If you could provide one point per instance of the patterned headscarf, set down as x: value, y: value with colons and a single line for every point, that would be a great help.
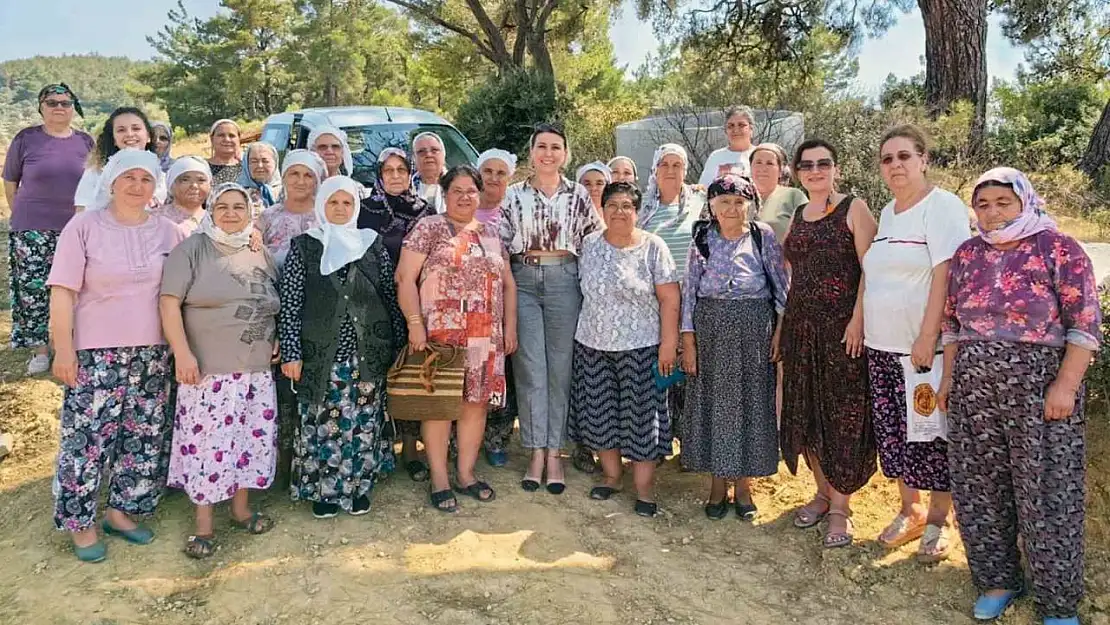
x: 59, y: 89
x: 1033, y: 218
x: 651, y: 195
x: 236, y: 241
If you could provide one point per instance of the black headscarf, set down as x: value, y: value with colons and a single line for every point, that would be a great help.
x: 393, y: 216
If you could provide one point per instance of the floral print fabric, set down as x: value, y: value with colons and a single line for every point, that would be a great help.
x: 1041, y: 292
x: 462, y: 300
x: 30, y: 254
x: 279, y: 227
x: 343, y: 447
x: 113, y: 422
x: 224, y: 436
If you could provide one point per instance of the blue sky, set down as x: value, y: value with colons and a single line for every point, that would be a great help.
x: 28, y: 28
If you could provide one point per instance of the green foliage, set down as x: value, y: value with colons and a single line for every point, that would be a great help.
x: 502, y: 112
x: 1098, y: 375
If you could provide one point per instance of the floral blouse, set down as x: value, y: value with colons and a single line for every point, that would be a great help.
x: 1042, y: 292
x: 279, y: 226
x: 172, y: 212
x: 734, y: 270
x: 534, y: 222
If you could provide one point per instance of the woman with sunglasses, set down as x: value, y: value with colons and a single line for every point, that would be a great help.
x: 163, y: 141
x: 825, y: 407
x: 906, y: 274
x: 41, y: 171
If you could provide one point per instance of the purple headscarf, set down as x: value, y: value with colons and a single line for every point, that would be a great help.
x: 1033, y: 218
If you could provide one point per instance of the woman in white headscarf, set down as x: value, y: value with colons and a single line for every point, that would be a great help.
x: 189, y: 182
x: 623, y: 170
x: 594, y: 176
x: 332, y: 146
x: 111, y: 357
x: 260, y: 175
x: 337, y: 291
x: 225, y: 163
x: 430, y: 155
x: 225, y: 419
x: 294, y: 213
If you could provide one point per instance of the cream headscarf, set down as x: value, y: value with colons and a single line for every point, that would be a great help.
x: 183, y: 165
x: 343, y: 243
x: 348, y: 159
x: 500, y: 155
x: 208, y: 226
x: 124, y: 161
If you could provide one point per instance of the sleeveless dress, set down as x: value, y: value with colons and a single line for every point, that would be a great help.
x: 825, y: 403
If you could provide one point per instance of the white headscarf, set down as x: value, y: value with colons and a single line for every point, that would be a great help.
x: 183, y: 165
x: 500, y: 155
x: 597, y: 166
x: 348, y: 159
x: 208, y: 226
x: 221, y: 122
x: 346, y: 243
x: 124, y: 161
x: 306, y: 158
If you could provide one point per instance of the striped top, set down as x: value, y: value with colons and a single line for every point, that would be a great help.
x: 665, y: 221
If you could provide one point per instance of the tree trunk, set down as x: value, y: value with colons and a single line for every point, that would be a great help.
x: 956, y: 60
x: 1097, y: 156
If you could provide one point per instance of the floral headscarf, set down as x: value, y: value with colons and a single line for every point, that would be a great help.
x: 236, y: 241
x: 1033, y: 218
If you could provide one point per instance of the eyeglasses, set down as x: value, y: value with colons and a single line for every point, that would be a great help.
x: 328, y: 146
x: 620, y: 208
x: 902, y: 157
x: 426, y: 151
x: 66, y: 104
x: 822, y: 164
x: 461, y: 193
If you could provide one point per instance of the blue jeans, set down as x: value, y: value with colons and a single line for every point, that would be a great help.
x: 548, y: 300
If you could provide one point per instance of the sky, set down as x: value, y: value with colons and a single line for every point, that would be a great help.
x: 80, y: 26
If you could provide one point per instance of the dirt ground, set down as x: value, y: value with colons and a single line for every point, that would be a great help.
x: 523, y: 559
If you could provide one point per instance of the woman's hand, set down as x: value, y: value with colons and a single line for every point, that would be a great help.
x: 776, y: 353
x: 689, y: 360
x: 923, y: 352
x: 292, y: 370
x: 943, y: 392
x: 668, y: 355
x: 853, y: 337
x: 188, y: 371
x: 418, y: 338
x: 510, y: 339
x: 256, y: 240
x: 65, y: 367
x: 1059, y: 402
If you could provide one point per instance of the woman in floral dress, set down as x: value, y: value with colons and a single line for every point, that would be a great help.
x: 456, y: 288
x: 340, y: 329
x: 218, y: 304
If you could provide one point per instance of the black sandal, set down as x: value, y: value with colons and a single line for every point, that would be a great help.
x: 717, y: 511
x: 475, y: 491
x: 418, y: 471
x: 647, y: 509
x: 603, y: 493
x: 444, y: 496
x: 200, y: 547
x: 746, y: 511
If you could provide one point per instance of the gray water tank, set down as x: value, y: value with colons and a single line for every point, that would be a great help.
x: 701, y: 133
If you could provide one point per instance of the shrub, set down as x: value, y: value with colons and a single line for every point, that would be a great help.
x: 1098, y: 375
x: 502, y: 112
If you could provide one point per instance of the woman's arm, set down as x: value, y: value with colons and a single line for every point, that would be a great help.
x: 669, y: 305
x: 511, y: 340
x: 1081, y: 316
x: 10, y: 188
x: 62, y: 304
x: 925, y: 345
x: 863, y: 226
x: 173, y: 326
x: 408, y: 296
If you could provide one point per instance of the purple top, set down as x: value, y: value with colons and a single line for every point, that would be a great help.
x: 1042, y: 292
x: 734, y: 270
x: 47, y: 170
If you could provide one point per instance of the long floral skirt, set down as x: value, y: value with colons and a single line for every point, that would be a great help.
x: 224, y: 436
x: 113, y: 421
x: 30, y: 254
x: 344, y: 444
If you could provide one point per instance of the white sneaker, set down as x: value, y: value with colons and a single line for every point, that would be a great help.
x: 39, y: 364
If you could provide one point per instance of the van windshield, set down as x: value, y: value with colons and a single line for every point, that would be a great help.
x: 367, y: 141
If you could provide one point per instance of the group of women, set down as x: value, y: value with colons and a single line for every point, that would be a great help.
x: 586, y: 309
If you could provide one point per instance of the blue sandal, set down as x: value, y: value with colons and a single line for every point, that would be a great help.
x: 141, y: 535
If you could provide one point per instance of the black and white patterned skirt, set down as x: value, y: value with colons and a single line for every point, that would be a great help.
x: 614, y: 403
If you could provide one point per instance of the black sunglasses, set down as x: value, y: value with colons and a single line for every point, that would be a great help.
x: 823, y: 164
x: 53, y: 104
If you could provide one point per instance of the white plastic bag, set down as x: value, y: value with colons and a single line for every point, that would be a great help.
x: 924, y: 420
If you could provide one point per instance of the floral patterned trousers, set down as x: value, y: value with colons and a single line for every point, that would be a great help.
x: 114, y: 419
x: 30, y: 254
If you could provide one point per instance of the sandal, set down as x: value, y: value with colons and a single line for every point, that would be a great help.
x: 836, y: 540
x: 603, y: 493
x: 805, y: 517
x: 746, y: 511
x: 257, y: 523
x: 717, y: 511
x: 934, y: 544
x: 900, y: 531
x: 583, y: 460
x: 417, y: 470
x: 647, y: 509
x: 476, y: 490
x: 200, y: 547
x: 439, y: 498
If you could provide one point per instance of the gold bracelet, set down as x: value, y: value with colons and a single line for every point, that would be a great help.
x: 414, y: 319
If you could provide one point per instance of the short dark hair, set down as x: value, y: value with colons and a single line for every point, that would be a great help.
x: 106, y: 141
x: 810, y: 144
x: 460, y: 170
x: 991, y: 183
x: 626, y: 188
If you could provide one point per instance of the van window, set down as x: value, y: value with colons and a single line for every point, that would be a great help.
x: 367, y: 141
x: 276, y: 135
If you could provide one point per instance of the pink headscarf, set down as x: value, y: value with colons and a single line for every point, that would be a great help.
x: 1033, y: 218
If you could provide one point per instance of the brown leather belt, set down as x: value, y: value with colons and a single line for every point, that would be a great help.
x: 537, y: 261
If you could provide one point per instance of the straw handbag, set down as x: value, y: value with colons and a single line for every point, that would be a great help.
x: 427, y: 385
